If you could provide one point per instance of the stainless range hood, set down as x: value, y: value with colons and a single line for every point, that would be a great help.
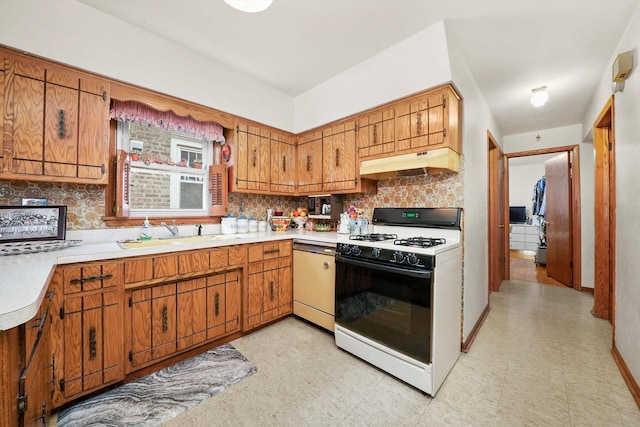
x: 442, y: 160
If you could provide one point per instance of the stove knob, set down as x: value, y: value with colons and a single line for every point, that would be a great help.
x: 355, y: 250
x: 413, y: 259
x: 398, y: 257
x: 375, y: 252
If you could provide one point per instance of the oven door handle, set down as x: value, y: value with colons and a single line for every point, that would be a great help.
x: 421, y: 274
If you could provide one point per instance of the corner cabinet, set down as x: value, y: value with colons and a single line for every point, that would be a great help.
x: 269, y: 293
x: 56, y: 123
x: 87, y: 329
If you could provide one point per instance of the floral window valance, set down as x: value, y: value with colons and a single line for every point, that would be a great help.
x: 128, y: 111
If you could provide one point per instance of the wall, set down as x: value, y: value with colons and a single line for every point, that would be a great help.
x: 566, y: 136
x: 391, y: 74
x: 522, y: 179
x: 627, y: 153
x: 72, y: 33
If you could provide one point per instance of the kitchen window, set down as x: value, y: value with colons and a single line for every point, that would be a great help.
x: 165, y: 164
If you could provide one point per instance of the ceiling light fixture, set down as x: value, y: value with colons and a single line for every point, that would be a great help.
x: 250, y: 6
x: 539, y: 96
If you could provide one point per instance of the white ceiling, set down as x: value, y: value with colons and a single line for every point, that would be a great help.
x: 510, y: 46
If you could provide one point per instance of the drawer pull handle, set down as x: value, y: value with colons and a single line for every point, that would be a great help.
x: 92, y: 278
x: 92, y: 343
x: 271, y: 251
x: 217, y: 304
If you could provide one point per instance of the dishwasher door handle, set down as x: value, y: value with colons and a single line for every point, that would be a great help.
x: 325, y: 265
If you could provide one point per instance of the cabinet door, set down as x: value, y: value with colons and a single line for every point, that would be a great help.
x: 2, y: 165
x: 270, y: 290
x: 339, y: 155
x: 375, y: 134
x: 283, y: 164
x: 254, y: 303
x: 93, y: 342
x: 163, y: 322
x: 216, y: 305
x: 139, y: 331
x: 61, y: 131
x: 192, y: 313
x: 27, y: 126
x: 285, y: 287
x: 93, y: 136
x: 232, y: 301
x: 309, y: 163
x: 251, y: 164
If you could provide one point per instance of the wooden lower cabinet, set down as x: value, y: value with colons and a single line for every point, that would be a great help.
x: 87, y: 329
x: 269, y: 285
x: 164, y: 320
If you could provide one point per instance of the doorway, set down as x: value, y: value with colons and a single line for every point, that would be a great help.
x: 572, y: 277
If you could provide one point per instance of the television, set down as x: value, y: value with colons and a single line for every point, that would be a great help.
x: 517, y: 214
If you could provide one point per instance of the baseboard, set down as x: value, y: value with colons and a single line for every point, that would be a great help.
x: 626, y: 375
x: 586, y: 290
x: 466, y: 345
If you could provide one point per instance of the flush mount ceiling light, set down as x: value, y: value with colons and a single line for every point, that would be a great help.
x: 250, y: 6
x: 539, y: 96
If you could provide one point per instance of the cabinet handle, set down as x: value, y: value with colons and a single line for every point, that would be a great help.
x: 92, y: 278
x: 104, y: 95
x: 165, y: 319
x: 61, y: 132
x: 43, y: 414
x: 308, y: 163
x: 255, y: 157
x: 271, y: 251
x: 375, y: 133
x: 325, y: 265
x: 418, y: 123
x: 271, y: 291
x: 284, y: 163
x: 337, y: 157
x: 92, y: 343
x: 217, y: 304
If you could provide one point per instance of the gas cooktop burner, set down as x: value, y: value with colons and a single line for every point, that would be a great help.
x: 420, y: 242
x: 375, y: 237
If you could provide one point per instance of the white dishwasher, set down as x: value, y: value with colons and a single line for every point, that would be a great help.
x: 314, y: 282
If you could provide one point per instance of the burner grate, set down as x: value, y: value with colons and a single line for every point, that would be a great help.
x: 420, y: 242
x: 375, y: 237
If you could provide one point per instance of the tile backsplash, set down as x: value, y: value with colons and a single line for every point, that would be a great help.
x: 85, y: 202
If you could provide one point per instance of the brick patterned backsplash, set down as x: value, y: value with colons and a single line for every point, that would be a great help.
x: 86, y: 201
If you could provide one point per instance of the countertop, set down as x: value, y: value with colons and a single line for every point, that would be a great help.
x: 25, y: 278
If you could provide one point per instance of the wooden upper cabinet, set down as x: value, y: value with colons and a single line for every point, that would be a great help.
x: 251, y: 164
x: 375, y: 133
x: 339, y: 157
x: 309, y: 162
x: 429, y: 121
x: 283, y: 164
x: 57, y: 122
x: 2, y: 66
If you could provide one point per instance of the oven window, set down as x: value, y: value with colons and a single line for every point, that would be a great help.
x: 387, y: 307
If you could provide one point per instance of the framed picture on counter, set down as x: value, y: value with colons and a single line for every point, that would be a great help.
x: 29, y: 223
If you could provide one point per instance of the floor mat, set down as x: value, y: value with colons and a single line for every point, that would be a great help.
x: 156, y: 398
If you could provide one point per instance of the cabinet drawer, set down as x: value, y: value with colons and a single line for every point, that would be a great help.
x: 193, y: 261
x: 165, y: 266
x: 91, y: 277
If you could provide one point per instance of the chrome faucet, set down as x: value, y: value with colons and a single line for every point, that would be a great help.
x: 172, y: 228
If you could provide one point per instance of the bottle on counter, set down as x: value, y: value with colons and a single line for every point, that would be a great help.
x: 145, y: 231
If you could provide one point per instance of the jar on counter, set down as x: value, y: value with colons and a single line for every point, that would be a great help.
x: 262, y: 225
x: 253, y: 225
x: 229, y: 225
x: 243, y: 224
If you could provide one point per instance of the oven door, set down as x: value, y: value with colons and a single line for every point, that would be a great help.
x: 387, y: 304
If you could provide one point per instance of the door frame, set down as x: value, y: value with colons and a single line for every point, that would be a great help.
x: 574, y: 151
x: 496, y: 193
x: 604, y: 216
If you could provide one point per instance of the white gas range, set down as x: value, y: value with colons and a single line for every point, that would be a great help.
x: 399, y: 294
